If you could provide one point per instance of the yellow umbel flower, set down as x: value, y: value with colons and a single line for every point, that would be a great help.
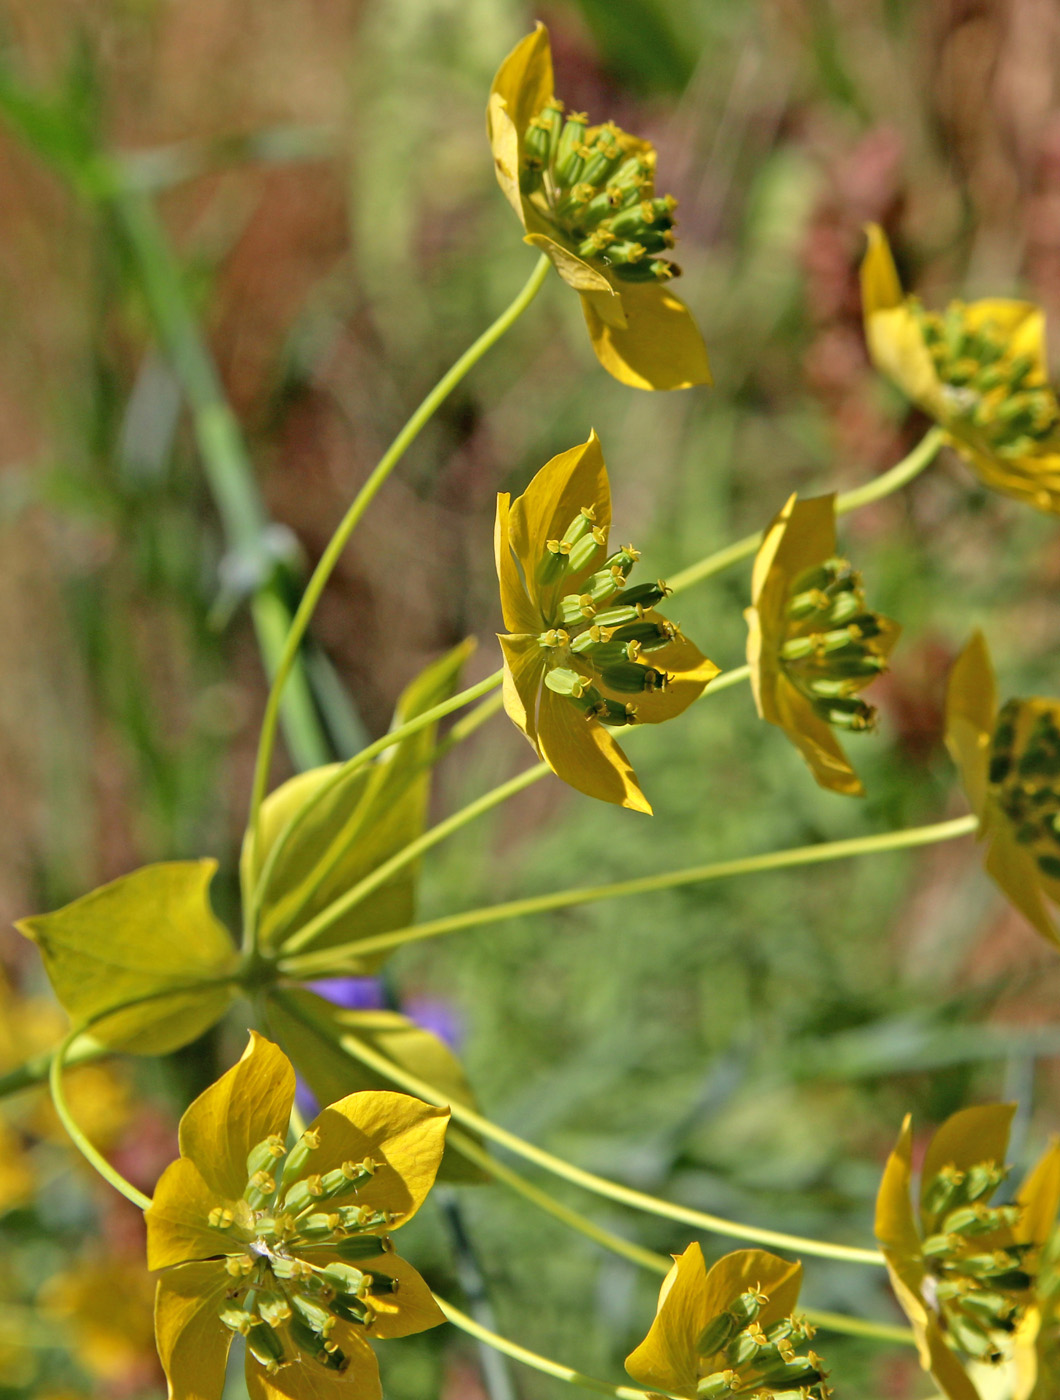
x: 290, y: 1249
x: 964, y: 1271
x: 812, y: 644
x: 729, y: 1331
x: 586, y: 197
x: 586, y: 652
x: 979, y: 369
x: 1009, y: 761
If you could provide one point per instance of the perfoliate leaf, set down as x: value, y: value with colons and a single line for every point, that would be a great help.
x: 331, y: 827
x: 135, y: 938
x: 331, y: 1072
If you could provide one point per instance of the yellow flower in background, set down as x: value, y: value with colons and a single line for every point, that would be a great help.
x: 586, y: 653
x: 979, y: 369
x: 812, y: 644
x: 729, y: 1331
x: 586, y: 197
x: 290, y: 1249
x: 1009, y: 761
x: 963, y: 1271
x: 106, y: 1305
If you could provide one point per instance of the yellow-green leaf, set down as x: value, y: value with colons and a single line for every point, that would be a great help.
x: 337, y: 824
x: 134, y: 940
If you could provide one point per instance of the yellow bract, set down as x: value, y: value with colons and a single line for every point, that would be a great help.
x: 584, y: 651
x: 811, y: 644
x: 289, y: 1248
x: 585, y: 196
x: 728, y: 1330
x: 962, y: 1271
x: 144, y: 937
x: 1009, y: 761
x: 979, y: 370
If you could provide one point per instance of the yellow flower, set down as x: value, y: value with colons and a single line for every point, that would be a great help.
x: 105, y: 1303
x: 586, y: 653
x: 290, y: 1249
x: 963, y: 1271
x: 979, y: 369
x: 812, y: 645
x: 586, y: 197
x: 729, y: 1331
x: 1009, y: 762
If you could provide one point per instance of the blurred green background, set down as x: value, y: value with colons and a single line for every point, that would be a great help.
x: 324, y: 194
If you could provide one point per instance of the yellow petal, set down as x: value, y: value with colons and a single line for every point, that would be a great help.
x: 522, y: 85
x: 735, y: 1273
x: 896, y: 1227
x: 661, y: 346
x: 524, y: 671
x: 607, y: 305
x: 949, y: 1374
x: 1020, y: 323
x: 133, y: 938
x: 690, y: 673
x: 881, y: 289
x: 1040, y: 1198
x: 249, y: 1103
x: 893, y: 334
x: 192, y: 1340
x: 411, y: 1309
x: 1015, y: 871
x: 575, y: 271
x: 306, y: 1379
x: 666, y: 1359
x: 520, y: 615
x: 816, y: 741
x: 800, y: 536
x: 403, y: 1134
x: 583, y: 754
x: 970, y: 1136
x: 177, y: 1219
x: 1033, y: 479
x: 971, y: 714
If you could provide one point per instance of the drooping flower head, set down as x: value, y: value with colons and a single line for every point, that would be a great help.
x: 288, y: 1248
x: 979, y: 369
x: 964, y: 1271
x: 812, y: 643
x: 587, y: 652
x: 586, y: 197
x: 730, y: 1331
x: 1009, y: 761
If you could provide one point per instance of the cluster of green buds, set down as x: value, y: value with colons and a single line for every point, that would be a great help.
x: 978, y: 1273
x: 1025, y: 777
x: 299, y: 1238
x: 605, y: 633
x: 833, y: 646
x: 1003, y: 397
x: 595, y: 187
x: 758, y: 1362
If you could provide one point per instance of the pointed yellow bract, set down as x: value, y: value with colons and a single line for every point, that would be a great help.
x: 147, y: 937
x: 1009, y: 762
x: 289, y: 1248
x: 979, y: 369
x: 963, y: 1271
x: 729, y: 1330
x: 585, y: 653
x: 812, y: 645
x: 586, y: 197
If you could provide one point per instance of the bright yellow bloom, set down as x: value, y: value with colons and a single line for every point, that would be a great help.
x: 586, y: 197
x: 979, y: 369
x: 812, y: 645
x: 586, y: 653
x: 729, y: 1330
x: 963, y: 1271
x: 290, y: 1249
x: 1009, y: 762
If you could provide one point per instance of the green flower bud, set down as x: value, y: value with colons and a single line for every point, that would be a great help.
x: 298, y: 1157
x: 564, y: 681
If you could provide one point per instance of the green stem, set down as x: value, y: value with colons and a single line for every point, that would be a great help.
x: 329, y: 960
x: 600, y: 1185
x: 899, y: 475
x: 541, y: 1363
x: 363, y: 499
x: 340, y: 907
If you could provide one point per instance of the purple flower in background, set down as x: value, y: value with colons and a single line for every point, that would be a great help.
x: 434, y: 1014
x: 351, y: 993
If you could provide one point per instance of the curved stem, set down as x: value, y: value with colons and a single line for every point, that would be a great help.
x: 382, y: 873
x: 540, y: 1363
x: 329, y: 960
x: 899, y: 475
x: 600, y: 1185
x: 361, y: 502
